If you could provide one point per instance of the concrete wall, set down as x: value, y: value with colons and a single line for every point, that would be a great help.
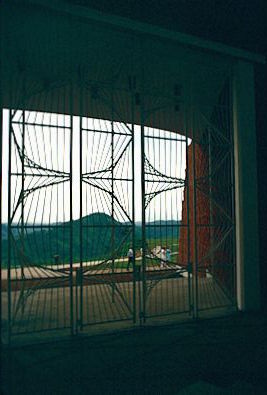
x: 247, y: 244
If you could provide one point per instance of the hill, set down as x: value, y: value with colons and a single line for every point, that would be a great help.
x: 101, y: 237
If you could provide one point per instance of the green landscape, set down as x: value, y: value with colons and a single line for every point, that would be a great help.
x: 101, y: 238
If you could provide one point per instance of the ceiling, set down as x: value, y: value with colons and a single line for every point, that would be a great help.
x: 58, y: 63
x: 239, y: 23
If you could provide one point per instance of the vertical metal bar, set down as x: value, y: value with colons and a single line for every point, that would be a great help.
x: 133, y: 209
x: 230, y: 112
x: 143, y: 191
x: 210, y: 201
x: 189, y: 264
x: 112, y: 193
x: 22, y: 195
x: 81, y: 212
x: 71, y: 212
x: 1, y: 193
x: 9, y: 232
x: 143, y: 188
x: 195, y: 261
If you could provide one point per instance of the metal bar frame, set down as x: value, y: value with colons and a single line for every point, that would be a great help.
x: 109, y: 175
x: 78, y: 324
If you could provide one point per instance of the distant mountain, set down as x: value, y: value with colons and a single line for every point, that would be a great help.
x: 101, y: 237
x: 15, y: 231
x: 159, y: 229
